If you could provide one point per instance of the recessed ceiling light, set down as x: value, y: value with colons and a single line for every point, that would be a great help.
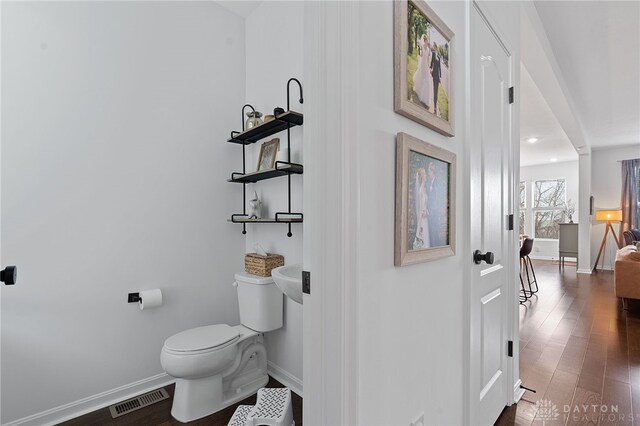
x: 532, y: 140
x: 554, y: 159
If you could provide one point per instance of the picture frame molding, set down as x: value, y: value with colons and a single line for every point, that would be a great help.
x: 401, y: 103
x: 406, y: 143
x: 276, y: 142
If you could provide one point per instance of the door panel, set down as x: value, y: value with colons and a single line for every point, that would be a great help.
x: 492, y: 96
x: 491, y: 338
x: 490, y: 130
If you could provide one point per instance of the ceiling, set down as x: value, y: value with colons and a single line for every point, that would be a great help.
x: 537, y: 120
x: 593, y: 48
x: 596, y: 45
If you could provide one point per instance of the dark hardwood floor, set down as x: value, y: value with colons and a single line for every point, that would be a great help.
x: 159, y: 414
x: 580, y: 350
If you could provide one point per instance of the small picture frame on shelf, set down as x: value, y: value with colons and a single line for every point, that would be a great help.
x: 267, y: 157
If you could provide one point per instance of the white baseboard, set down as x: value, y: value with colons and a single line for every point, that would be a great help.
x: 92, y: 403
x: 584, y: 271
x: 517, y: 391
x: 538, y: 257
x: 605, y: 268
x: 285, y: 378
x: 83, y: 406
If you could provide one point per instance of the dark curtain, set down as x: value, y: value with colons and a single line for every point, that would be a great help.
x: 630, y: 182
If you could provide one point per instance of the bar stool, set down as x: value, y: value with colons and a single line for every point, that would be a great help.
x: 525, y: 261
x: 523, y: 293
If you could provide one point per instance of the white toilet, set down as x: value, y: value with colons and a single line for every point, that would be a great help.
x: 219, y: 365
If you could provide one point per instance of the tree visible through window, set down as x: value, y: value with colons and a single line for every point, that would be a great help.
x: 549, y: 197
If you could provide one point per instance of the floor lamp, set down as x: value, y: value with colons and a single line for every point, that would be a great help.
x: 607, y: 216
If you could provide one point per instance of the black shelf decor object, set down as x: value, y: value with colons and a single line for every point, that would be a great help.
x: 283, y: 120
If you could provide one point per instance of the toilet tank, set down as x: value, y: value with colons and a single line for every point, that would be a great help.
x: 260, y: 302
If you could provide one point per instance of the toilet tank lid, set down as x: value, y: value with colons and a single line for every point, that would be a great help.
x: 253, y: 279
x: 199, y: 338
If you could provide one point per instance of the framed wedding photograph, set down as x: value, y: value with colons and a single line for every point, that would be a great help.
x: 425, y: 201
x: 423, y: 66
x: 267, y: 156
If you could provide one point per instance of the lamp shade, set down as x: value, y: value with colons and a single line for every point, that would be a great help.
x: 609, y: 215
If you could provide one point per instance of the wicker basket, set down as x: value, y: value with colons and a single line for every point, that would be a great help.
x: 262, y: 265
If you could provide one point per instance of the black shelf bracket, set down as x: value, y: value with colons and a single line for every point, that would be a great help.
x: 301, y: 100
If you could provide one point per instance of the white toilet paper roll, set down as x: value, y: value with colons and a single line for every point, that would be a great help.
x: 150, y: 299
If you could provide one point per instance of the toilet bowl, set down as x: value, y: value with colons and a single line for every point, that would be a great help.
x: 218, y: 365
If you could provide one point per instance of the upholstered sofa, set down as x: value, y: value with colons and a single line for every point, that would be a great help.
x: 631, y: 236
x: 627, y: 273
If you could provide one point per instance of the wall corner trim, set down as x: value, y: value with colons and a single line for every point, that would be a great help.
x: 286, y: 378
x: 95, y: 402
x: 518, y: 392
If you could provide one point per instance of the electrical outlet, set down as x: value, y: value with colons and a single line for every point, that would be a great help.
x: 418, y: 421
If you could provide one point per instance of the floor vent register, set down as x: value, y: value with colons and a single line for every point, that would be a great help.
x: 273, y: 408
x: 138, y: 402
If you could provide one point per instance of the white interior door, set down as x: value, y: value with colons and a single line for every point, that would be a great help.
x: 8, y: 275
x: 490, y: 206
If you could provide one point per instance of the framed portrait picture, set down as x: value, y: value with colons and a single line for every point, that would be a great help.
x: 425, y: 201
x: 423, y: 66
x: 267, y: 157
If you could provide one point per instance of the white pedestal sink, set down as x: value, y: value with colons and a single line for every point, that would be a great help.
x: 288, y: 278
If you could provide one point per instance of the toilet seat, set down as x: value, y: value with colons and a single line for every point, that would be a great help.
x: 202, y: 339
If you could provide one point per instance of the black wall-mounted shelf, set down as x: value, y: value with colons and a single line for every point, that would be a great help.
x: 282, y: 168
x: 238, y: 218
x: 281, y: 122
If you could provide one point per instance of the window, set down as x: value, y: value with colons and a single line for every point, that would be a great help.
x: 523, y: 205
x: 549, y: 197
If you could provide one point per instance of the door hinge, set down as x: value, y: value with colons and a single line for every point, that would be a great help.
x: 510, y: 226
x: 511, y: 95
x: 306, y: 282
x: 510, y: 348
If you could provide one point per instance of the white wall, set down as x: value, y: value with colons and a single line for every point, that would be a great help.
x: 113, y: 180
x: 411, y: 319
x: 584, y: 227
x: 411, y: 333
x: 268, y: 70
x: 606, y: 186
x: 545, y: 248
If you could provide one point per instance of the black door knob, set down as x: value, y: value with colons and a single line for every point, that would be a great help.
x: 9, y: 275
x: 479, y: 257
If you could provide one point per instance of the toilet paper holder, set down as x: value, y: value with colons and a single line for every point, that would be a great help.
x: 134, y: 298
x: 146, y: 299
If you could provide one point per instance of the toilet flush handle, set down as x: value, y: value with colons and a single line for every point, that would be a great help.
x: 235, y: 284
